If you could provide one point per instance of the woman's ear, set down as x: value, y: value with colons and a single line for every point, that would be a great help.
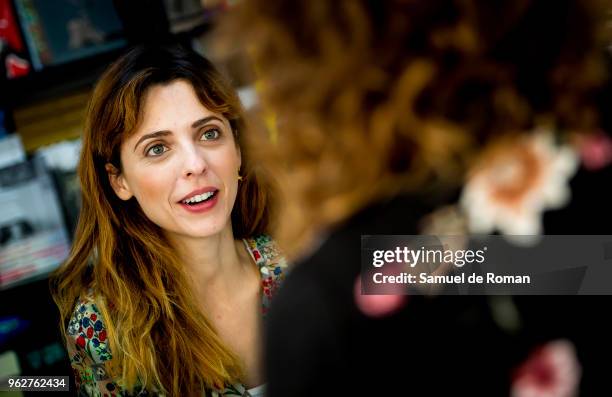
x: 118, y: 182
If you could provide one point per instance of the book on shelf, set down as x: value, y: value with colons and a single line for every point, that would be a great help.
x: 33, y: 236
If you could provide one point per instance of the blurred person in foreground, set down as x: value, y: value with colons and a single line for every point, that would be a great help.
x: 387, y: 110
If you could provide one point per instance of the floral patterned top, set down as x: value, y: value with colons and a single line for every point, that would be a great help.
x: 87, y: 342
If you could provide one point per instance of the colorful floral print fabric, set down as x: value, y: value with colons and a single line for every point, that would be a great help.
x: 87, y: 342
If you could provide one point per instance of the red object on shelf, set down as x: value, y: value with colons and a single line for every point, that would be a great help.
x: 16, y: 67
x: 9, y: 31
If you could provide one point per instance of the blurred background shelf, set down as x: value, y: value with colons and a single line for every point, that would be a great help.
x: 51, y: 54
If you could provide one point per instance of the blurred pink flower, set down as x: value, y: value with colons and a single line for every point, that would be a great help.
x: 551, y: 371
x: 596, y: 151
x: 377, y: 305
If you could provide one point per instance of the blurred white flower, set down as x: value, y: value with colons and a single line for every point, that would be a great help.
x: 515, y: 182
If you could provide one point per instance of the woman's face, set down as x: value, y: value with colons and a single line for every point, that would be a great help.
x: 181, y: 163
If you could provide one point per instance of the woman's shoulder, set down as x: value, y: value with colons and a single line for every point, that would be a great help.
x: 272, y: 264
x: 88, y: 349
x: 86, y: 329
x: 266, y: 254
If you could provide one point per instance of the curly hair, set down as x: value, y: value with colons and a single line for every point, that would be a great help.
x: 376, y: 98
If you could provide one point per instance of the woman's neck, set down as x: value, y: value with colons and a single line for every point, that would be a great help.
x: 215, y: 264
x: 226, y: 284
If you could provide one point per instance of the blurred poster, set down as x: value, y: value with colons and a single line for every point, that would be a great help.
x: 58, y: 31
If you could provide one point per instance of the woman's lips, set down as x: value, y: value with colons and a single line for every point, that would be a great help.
x: 201, y: 206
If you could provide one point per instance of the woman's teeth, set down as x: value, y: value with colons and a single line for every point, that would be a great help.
x: 199, y: 198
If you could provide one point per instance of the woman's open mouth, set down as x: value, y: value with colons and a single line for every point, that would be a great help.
x: 200, y: 202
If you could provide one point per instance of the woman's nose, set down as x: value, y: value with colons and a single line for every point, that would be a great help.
x: 194, y: 161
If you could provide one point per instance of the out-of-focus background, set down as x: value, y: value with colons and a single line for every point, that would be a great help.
x: 51, y: 54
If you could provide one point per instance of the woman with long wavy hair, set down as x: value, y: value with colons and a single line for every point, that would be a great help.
x: 170, y: 270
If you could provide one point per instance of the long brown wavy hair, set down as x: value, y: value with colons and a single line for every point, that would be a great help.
x: 158, y: 337
x: 377, y: 98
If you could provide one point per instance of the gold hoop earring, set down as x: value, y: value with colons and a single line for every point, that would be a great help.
x: 239, y: 177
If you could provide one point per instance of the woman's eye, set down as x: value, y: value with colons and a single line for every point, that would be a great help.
x: 156, y: 150
x: 211, y: 135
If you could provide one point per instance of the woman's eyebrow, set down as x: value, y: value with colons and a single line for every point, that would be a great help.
x: 152, y: 135
x: 205, y: 120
